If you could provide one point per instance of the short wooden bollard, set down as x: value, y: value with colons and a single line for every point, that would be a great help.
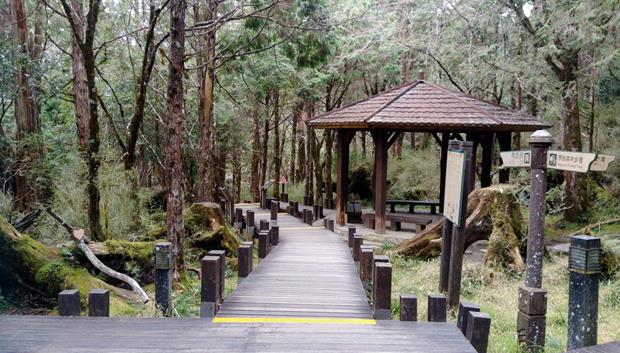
x: 296, y: 209
x: 315, y: 212
x: 284, y: 197
x: 263, y: 244
x: 584, y: 268
x: 351, y: 233
x: 478, y: 327
x: 274, y: 234
x: 357, y: 247
x: 309, y: 217
x: 210, y: 286
x: 321, y: 215
x: 531, y: 318
x: 222, y: 255
x: 239, y: 219
x: 99, y: 302
x: 249, y: 221
x: 408, y: 307
x: 330, y: 224
x: 377, y: 259
x: 264, y: 225
x: 244, y: 266
x: 163, y: 277
x: 366, y: 256
x: 464, y: 309
x: 382, y: 300
x: 274, y: 210
x: 436, y: 308
x: 69, y: 303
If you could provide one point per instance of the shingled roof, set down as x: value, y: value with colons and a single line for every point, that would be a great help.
x: 422, y: 106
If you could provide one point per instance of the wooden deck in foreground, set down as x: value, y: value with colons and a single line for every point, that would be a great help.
x: 306, y: 296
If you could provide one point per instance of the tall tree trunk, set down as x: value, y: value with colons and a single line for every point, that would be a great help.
x: 26, y: 122
x: 294, y: 141
x: 397, y: 148
x: 174, y: 131
x: 329, y: 147
x: 277, y: 157
x: 206, y: 172
x: 571, y: 140
x: 412, y: 140
x: 264, y: 152
x: 363, y: 143
x: 256, y: 153
x: 236, y: 162
x: 80, y: 88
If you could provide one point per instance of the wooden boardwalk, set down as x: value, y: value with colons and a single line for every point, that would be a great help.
x: 306, y: 296
x: 309, y: 274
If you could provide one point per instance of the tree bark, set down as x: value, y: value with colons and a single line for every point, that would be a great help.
x: 80, y: 89
x: 294, y: 141
x: 277, y: 157
x: 255, y: 161
x: 264, y: 152
x: 329, y: 147
x: 174, y: 131
x: 26, y: 121
x: 206, y: 172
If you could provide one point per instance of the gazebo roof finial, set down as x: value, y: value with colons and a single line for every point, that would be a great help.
x: 421, y: 75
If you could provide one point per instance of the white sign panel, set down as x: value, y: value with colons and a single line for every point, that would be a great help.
x: 516, y: 158
x: 601, y: 163
x: 455, y: 180
x: 570, y: 161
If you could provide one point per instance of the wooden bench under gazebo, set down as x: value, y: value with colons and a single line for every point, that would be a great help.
x: 420, y: 106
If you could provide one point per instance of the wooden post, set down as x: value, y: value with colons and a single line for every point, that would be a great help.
x: 436, y: 308
x: 99, y: 302
x: 446, y: 248
x: 408, y: 307
x: 274, y: 234
x: 531, y: 319
x: 458, y: 237
x: 378, y: 259
x: 309, y: 217
x: 330, y: 224
x: 487, y: 159
x: 321, y: 215
x: 210, y: 286
x: 504, y: 140
x: 163, y: 277
x: 239, y: 219
x: 249, y: 215
x: 274, y: 210
x: 69, y: 303
x: 474, y: 138
x: 244, y: 266
x: 357, y: 247
x: 585, y: 268
x: 351, y: 233
x: 263, y: 244
x: 445, y: 138
x: 464, y: 309
x: 380, y: 138
x: 296, y: 209
x: 264, y: 225
x: 478, y: 328
x: 222, y: 255
x: 315, y: 211
x: 366, y: 263
x: 539, y: 143
x: 343, y: 139
x: 382, y: 284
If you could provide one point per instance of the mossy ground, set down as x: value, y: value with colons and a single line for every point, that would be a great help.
x: 496, y: 292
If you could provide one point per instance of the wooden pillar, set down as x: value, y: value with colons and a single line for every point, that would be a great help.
x: 69, y: 303
x: 504, y: 140
x: 487, y: 159
x: 475, y: 139
x: 445, y: 138
x: 99, y: 302
x: 380, y: 138
x: 342, y: 173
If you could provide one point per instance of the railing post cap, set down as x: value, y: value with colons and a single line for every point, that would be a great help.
x: 541, y: 137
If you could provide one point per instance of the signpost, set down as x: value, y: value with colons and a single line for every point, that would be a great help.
x: 531, y: 322
x: 455, y: 172
x: 283, y: 181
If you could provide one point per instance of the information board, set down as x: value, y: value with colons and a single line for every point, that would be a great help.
x: 455, y: 184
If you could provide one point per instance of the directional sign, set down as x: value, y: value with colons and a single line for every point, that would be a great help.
x: 570, y: 161
x: 516, y: 158
x: 455, y: 177
x: 601, y: 163
x: 283, y: 179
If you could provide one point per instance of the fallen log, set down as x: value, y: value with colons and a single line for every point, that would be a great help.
x: 493, y: 214
x: 77, y: 235
x: 28, y: 266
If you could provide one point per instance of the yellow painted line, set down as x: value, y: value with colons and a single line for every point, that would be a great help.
x: 294, y: 320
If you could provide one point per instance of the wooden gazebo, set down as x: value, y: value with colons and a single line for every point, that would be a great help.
x: 419, y: 106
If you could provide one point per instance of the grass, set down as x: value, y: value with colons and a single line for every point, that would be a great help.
x: 496, y: 292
